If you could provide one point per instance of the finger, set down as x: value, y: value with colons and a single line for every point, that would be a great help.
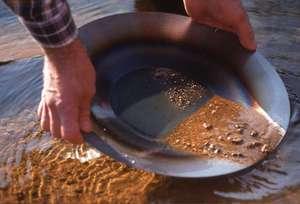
x: 69, y: 128
x: 39, y: 110
x: 45, y: 119
x: 54, y: 123
x: 245, y: 33
x: 84, y: 117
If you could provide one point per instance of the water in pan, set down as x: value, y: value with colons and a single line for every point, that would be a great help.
x: 32, y: 165
x: 169, y: 106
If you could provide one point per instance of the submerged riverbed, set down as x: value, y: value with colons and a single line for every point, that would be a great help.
x: 33, y: 167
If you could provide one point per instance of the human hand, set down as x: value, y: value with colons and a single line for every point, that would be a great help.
x: 228, y: 15
x: 69, y: 85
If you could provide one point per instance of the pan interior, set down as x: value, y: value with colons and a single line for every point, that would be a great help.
x: 141, y: 101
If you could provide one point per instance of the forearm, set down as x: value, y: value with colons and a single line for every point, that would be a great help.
x: 65, y: 57
x: 69, y: 76
x: 50, y: 22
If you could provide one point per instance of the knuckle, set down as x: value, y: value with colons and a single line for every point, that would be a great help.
x: 51, y: 103
x: 64, y: 106
x: 55, y: 103
x: 59, y: 104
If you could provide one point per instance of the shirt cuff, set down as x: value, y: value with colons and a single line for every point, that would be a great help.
x: 54, y: 27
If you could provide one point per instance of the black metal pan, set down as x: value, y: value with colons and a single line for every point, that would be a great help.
x: 129, y: 110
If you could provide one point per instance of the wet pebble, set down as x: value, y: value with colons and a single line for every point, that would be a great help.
x: 206, y: 144
x: 236, y: 141
x: 241, y: 125
x: 237, y: 154
x: 240, y: 130
x: 237, y: 126
x: 83, y: 176
x: 217, y: 151
x: 265, y: 148
x: 71, y: 182
x: 211, y: 146
x: 253, y: 145
x: 205, y: 151
x: 253, y: 133
x: 78, y: 190
x: 221, y: 138
x: 229, y: 138
x: 207, y: 126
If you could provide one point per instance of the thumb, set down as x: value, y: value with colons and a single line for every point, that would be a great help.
x: 246, y: 35
x: 84, y: 116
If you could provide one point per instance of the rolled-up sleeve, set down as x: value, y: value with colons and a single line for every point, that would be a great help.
x: 49, y: 21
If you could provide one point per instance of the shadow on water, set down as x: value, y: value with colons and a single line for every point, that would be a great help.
x: 35, y: 168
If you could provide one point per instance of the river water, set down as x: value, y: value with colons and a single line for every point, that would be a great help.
x: 34, y: 168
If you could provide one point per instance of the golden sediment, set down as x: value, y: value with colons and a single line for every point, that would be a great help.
x: 225, y: 129
x: 220, y: 128
x: 181, y: 91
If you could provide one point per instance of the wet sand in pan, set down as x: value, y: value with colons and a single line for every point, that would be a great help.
x: 225, y: 129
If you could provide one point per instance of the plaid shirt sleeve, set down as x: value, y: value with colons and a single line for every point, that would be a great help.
x: 49, y: 21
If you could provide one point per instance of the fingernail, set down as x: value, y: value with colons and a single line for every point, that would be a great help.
x: 250, y: 45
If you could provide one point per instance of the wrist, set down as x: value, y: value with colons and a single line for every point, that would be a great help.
x: 65, y: 58
x: 67, y: 51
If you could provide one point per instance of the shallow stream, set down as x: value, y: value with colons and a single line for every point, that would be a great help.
x: 35, y: 168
